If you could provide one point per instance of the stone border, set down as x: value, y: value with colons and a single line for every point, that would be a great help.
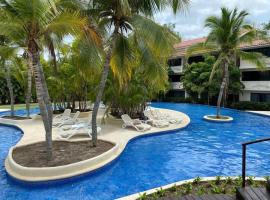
x: 208, y: 118
x: 151, y: 191
x: 53, y: 173
x: 32, y: 174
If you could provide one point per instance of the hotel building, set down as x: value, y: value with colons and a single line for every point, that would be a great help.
x: 256, y: 82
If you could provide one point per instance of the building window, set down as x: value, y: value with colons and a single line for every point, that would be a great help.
x: 195, y: 59
x: 175, y: 62
x: 260, y: 97
x: 256, y: 76
x: 174, y: 78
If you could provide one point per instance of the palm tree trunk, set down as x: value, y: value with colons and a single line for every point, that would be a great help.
x: 29, y: 86
x: 222, y: 87
x: 42, y: 96
x: 10, y: 88
x: 101, y: 88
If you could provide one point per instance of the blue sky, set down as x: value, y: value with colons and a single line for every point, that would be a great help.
x: 190, y: 23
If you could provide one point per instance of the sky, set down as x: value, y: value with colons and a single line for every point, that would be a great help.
x: 190, y: 24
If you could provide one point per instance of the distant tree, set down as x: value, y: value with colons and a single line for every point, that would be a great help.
x: 227, y: 33
x: 196, y: 78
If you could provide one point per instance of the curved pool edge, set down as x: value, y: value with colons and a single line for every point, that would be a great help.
x: 29, y: 174
x: 34, y: 174
x: 178, y: 183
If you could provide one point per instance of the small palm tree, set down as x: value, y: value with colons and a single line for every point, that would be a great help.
x: 32, y: 22
x: 123, y: 18
x: 227, y: 33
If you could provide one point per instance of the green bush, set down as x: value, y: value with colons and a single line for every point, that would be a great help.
x: 179, y: 100
x: 247, y: 105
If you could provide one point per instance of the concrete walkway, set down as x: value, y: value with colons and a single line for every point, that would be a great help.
x: 261, y: 112
x: 4, y: 110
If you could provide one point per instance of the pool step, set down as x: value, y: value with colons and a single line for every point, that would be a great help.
x: 252, y: 193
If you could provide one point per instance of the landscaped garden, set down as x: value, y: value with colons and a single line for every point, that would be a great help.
x: 80, y: 118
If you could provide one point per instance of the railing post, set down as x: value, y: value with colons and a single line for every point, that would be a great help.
x: 243, y: 165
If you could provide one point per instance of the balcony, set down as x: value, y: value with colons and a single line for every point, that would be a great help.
x: 177, y: 85
x: 246, y: 65
x: 177, y: 69
x: 262, y: 86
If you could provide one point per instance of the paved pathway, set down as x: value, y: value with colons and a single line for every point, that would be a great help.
x: 261, y: 112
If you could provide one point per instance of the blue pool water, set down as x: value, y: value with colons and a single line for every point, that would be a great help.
x: 21, y: 112
x: 201, y: 149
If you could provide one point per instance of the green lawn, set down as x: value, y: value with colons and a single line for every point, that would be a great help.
x: 18, y: 106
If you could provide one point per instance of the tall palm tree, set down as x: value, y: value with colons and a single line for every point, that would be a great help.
x: 6, y: 54
x: 228, y: 33
x: 123, y: 18
x: 31, y: 21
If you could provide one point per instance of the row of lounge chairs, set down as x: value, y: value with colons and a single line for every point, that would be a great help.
x: 72, y: 126
x: 155, y: 119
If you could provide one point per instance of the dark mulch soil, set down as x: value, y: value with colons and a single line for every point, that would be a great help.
x: 16, y: 117
x: 198, y: 187
x: 64, y: 153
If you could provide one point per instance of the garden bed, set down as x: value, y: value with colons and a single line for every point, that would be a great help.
x: 64, y: 153
x: 198, y: 187
x: 221, y: 118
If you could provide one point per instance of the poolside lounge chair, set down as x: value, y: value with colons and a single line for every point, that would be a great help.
x: 79, y: 129
x: 157, y: 114
x: 135, y: 123
x: 70, y: 121
x: 159, y: 123
x: 61, y: 118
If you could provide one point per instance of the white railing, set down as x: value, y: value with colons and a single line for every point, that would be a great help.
x: 177, y: 85
x: 244, y: 64
x: 177, y: 69
x: 257, y: 85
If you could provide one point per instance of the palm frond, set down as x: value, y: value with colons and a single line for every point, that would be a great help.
x: 255, y: 58
x: 201, y: 48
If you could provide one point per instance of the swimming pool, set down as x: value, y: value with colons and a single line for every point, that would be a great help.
x: 201, y: 149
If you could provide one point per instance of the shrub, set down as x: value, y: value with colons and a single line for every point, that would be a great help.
x: 247, y: 105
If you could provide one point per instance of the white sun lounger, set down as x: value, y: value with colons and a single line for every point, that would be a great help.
x: 81, y: 129
x: 159, y: 123
x: 137, y: 124
x: 61, y: 118
x: 70, y: 121
x: 157, y: 114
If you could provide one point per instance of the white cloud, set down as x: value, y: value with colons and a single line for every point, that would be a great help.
x: 191, y: 23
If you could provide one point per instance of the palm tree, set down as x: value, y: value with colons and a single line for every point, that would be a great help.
x: 6, y: 54
x: 227, y: 33
x: 31, y: 21
x: 123, y: 18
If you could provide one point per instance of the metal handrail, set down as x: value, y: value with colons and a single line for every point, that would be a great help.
x: 244, y: 151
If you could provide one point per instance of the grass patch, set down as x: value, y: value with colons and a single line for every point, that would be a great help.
x: 198, y: 187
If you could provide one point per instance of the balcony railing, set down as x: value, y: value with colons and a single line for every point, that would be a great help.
x: 248, y: 65
x: 177, y: 85
x: 176, y: 69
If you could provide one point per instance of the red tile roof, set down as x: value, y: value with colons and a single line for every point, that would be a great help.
x: 181, y: 47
